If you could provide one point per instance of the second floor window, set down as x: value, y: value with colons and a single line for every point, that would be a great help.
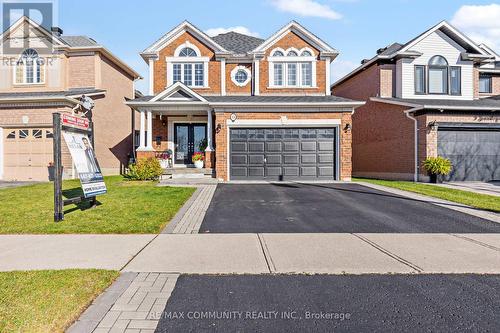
x: 30, y: 68
x: 292, y: 70
x: 191, y: 73
x: 485, y: 84
x: 438, y: 78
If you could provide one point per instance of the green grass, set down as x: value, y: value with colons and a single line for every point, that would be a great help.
x: 128, y: 207
x: 481, y: 201
x: 48, y: 301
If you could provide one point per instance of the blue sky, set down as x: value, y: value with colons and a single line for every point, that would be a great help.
x: 357, y: 28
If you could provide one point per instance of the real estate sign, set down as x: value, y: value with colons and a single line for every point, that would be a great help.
x: 83, y: 155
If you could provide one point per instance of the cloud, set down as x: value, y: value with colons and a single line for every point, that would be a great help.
x: 306, y: 8
x: 340, y: 68
x: 481, y: 23
x: 240, y: 29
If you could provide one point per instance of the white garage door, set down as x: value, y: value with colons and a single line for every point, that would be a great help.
x: 27, y: 153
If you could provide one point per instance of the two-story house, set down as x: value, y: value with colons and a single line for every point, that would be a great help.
x: 436, y: 95
x: 258, y: 109
x: 43, y: 71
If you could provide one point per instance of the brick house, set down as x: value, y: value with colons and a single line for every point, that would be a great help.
x: 34, y: 83
x: 437, y: 94
x: 259, y: 109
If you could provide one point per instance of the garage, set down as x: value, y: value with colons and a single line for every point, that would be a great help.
x: 474, y: 151
x: 27, y: 153
x: 280, y: 154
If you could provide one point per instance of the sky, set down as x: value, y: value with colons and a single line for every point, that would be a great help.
x: 357, y: 28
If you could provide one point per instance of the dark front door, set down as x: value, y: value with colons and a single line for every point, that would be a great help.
x: 189, y: 139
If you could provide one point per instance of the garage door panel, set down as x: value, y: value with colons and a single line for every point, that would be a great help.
x: 287, y: 153
x: 239, y: 159
x: 273, y: 147
x: 475, y: 155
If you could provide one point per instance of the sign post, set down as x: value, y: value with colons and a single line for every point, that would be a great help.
x: 76, y: 132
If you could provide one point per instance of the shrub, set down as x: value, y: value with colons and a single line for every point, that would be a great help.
x: 437, y: 165
x: 145, y: 169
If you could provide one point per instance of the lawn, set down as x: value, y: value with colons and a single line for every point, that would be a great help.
x: 128, y: 207
x: 48, y: 301
x: 481, y: 201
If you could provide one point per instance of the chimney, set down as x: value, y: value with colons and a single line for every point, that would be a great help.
x: 56, y: 31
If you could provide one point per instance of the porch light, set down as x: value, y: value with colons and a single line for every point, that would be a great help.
x: 433, y: 126
x: 347, y: 127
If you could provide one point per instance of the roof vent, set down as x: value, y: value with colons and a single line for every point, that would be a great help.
x: 364, y: 61
x: 56, y: 31
x: 381, y: 50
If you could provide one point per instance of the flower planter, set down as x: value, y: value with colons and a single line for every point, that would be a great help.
x: 435, y: 179
x: 198, y: 164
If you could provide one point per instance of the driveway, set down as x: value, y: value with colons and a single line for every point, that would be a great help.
x: 490, y: 188
x: 331, y: 208
x: 326, y: 303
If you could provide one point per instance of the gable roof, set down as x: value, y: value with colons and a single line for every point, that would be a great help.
x: 237, y: 43
x: 185, y: 26
x: 178, y: 92
x: 78, y: 41
x: 302, y: 32
x: 397, y: 50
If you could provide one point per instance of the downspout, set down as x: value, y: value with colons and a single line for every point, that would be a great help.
x: 415, y: 140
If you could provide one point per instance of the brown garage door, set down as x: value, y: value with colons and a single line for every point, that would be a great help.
x: 27, y: 153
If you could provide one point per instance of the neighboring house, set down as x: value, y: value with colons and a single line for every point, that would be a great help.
x: 438, y: 94
x: 261, y: 107
x: 34, y: 84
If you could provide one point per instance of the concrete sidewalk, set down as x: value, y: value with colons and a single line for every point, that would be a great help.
x: 320, y: 254
x: 28, y: 252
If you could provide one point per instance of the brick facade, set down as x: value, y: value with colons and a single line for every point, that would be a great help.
x: 221, y: 155
x: 231, y: 87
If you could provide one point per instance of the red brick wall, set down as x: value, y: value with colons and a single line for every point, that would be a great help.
x: 362, y: 86
x: 233, y: 89
x: 291, y: 40
x: 221, y: 137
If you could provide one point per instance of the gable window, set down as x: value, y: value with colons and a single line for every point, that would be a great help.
x: 187, y: 66
x: 30, y: 68
x: 485, y: 84
x: 419, y: 79
x: 292, y: 70
x: 438, y: 75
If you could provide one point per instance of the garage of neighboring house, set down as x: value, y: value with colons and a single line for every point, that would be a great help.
x: 474, y: 150
x: 277, y: 154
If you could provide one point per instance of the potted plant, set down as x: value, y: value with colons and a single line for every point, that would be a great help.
x: 437, y: 167
x: 198, y: 160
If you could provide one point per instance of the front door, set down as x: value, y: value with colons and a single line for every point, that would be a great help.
x: 189, y: 139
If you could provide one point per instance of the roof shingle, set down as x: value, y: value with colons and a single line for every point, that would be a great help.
x: 236, y: 42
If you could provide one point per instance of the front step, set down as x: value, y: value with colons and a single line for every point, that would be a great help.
x: 177, y: 173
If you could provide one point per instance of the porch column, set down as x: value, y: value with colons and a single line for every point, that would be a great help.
x: 142, y: 136
x: 149, y: 142
x: 210, y: 147
x: 209, y: 152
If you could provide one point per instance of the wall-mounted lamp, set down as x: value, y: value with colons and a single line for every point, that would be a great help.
x: 433, y: 126
x: 218, y: 128
x: 347, y: 127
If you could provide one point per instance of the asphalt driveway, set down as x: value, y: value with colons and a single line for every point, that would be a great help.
x: 332, y: 208
x: 327, y: 303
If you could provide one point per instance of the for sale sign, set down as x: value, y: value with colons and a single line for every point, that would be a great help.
x: 84, y: 159
x: 75, y: 121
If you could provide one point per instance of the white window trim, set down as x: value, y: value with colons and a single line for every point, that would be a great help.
x: 285, y: 84
x: 233, y: 75
x: 184, y: 45
x: 292, y: 59
x: 187, y: 60
x: 24, y: 83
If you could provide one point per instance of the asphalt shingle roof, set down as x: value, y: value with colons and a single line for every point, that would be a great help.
x: 486, y: 103
x: 236, y: 42
x: 78, y: 41
x: 65, y: 93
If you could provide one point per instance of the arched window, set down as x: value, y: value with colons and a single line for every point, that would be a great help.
x: 187, y: 52
x: 278, y: 54
x: 292, y: 54
x: 30, y: 68
x: 438, y: 75
x: 306, y: 53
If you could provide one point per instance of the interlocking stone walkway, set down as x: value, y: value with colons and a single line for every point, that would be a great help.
x: 188, y: 220
x: 137, y: 309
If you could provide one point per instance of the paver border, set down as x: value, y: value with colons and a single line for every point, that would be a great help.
x: 181, y: 212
